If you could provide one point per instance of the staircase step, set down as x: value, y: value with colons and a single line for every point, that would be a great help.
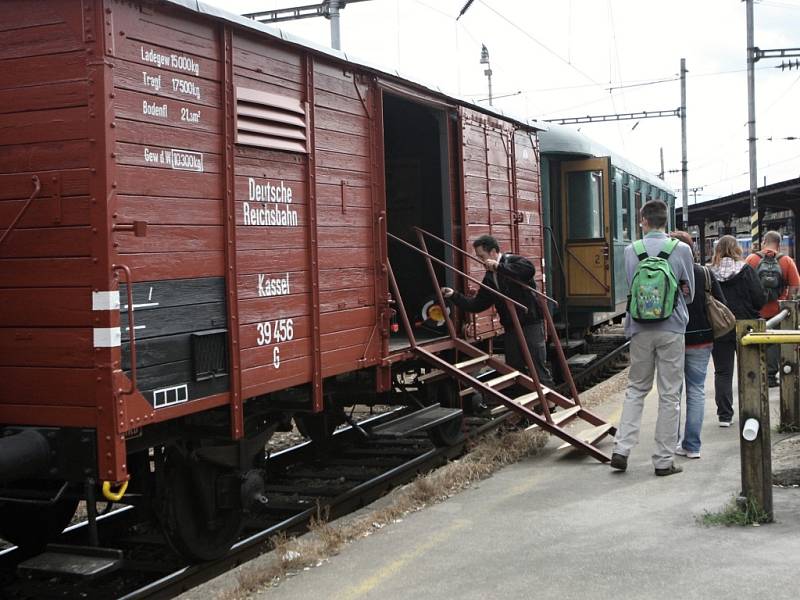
x: 572, y: 344
x: 420, y: 420
x: 438, y: 373
x: 493, y: 382
x: 581, y: 360
x: 590, y: 436
x: 473, y: 361
x: 560, y: 417
x: 74, y: 562
x: 521, y: 400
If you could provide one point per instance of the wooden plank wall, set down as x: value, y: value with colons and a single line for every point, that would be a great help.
x: 154, y: 118
x: 45, y: 264
x: 530, y: 235
x: 501, y: 180
x: 344, y: 226
x: 275, y: 331
x: 169, y: 136
x: 487, y: 198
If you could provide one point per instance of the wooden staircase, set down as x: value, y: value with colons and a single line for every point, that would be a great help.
x: 465, y: 371
x: 492, y: 390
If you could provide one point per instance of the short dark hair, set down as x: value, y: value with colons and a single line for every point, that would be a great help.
x: 655, y: 213
x: 771, y: 238
x: 487, y: 242
x: 683, y: 236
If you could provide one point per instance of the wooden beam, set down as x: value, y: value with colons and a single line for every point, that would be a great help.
x: 756, y: 455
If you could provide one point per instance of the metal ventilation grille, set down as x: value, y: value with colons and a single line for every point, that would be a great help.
x: 270, y: 121
x: 209, y: 354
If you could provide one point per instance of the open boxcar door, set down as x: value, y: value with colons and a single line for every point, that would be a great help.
x: 585, y: 186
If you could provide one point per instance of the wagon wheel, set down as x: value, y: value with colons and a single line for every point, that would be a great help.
x: 193, y: 522
x: 446, y: 394
x: 32, y: 526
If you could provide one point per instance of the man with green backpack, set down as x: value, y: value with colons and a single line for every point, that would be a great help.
x: 661, y: 279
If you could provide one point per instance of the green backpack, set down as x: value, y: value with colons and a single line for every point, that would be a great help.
x: 654, y: 289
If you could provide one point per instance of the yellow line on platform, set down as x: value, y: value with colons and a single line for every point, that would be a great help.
x: 393, y: 567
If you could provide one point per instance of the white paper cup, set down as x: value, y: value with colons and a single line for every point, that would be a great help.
x: 750, y: 430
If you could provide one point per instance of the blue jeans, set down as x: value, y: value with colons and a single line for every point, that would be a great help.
x: 694, y: 369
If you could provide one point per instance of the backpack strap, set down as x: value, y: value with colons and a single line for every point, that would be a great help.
x: 668, y: 248
x: 640, y: 250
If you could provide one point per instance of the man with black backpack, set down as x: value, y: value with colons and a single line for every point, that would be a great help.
x: 778, y: 275
x: 661, y: 278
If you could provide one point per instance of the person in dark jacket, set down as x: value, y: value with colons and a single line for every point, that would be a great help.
x: 699, y: 339
x: 745, y: 297
x: 502, y: 269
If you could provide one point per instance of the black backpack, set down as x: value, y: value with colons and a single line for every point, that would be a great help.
x: 770, y: 274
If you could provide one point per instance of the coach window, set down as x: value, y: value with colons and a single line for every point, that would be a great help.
x: 638, y: 206
x: 618, y: 207
x: 586, y: 204
x: 626, y: 213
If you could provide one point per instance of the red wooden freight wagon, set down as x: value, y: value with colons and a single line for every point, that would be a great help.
x: 194, y: 212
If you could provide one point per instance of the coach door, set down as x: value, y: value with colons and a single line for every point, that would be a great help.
x: 587, y: 230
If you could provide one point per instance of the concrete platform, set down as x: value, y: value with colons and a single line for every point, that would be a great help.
x: 563, y: 526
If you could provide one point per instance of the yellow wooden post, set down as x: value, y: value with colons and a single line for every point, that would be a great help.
x: 756, y: 455
x: 790, y: 371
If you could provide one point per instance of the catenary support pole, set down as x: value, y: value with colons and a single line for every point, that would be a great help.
x: 756, y: 455
x: 684, y: 162
x: 333, y: 15
x: 751, y: 129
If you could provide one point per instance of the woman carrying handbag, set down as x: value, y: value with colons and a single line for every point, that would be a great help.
x: 744, y: 296
x: 699, y: 338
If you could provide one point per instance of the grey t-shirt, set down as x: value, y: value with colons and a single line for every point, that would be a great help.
x: 681, y: 261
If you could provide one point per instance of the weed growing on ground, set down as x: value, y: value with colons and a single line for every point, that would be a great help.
x: 326, y: 539
x: 745, y: 512
x: 787, y: 428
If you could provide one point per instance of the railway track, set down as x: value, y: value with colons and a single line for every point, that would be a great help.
x: 354, y: 472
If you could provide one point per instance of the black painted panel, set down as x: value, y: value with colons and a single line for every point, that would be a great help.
x: 174, y: 319
x: 173, y: 292
x: 168, y: 313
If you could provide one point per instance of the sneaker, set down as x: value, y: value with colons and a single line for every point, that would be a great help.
x: 619, y: 462
x: 670, y: 470
x: 681, y: 451
x: 725, y: 423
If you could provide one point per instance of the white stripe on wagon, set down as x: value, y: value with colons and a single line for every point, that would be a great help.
x: 107, y: 337
x: 105, y: 300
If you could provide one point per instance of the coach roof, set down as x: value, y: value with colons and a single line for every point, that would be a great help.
x: 561, y: 139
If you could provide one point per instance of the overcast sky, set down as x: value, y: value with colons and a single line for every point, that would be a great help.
x: 563, y: 56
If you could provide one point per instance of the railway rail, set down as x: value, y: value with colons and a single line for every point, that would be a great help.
x: 355, y: 472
